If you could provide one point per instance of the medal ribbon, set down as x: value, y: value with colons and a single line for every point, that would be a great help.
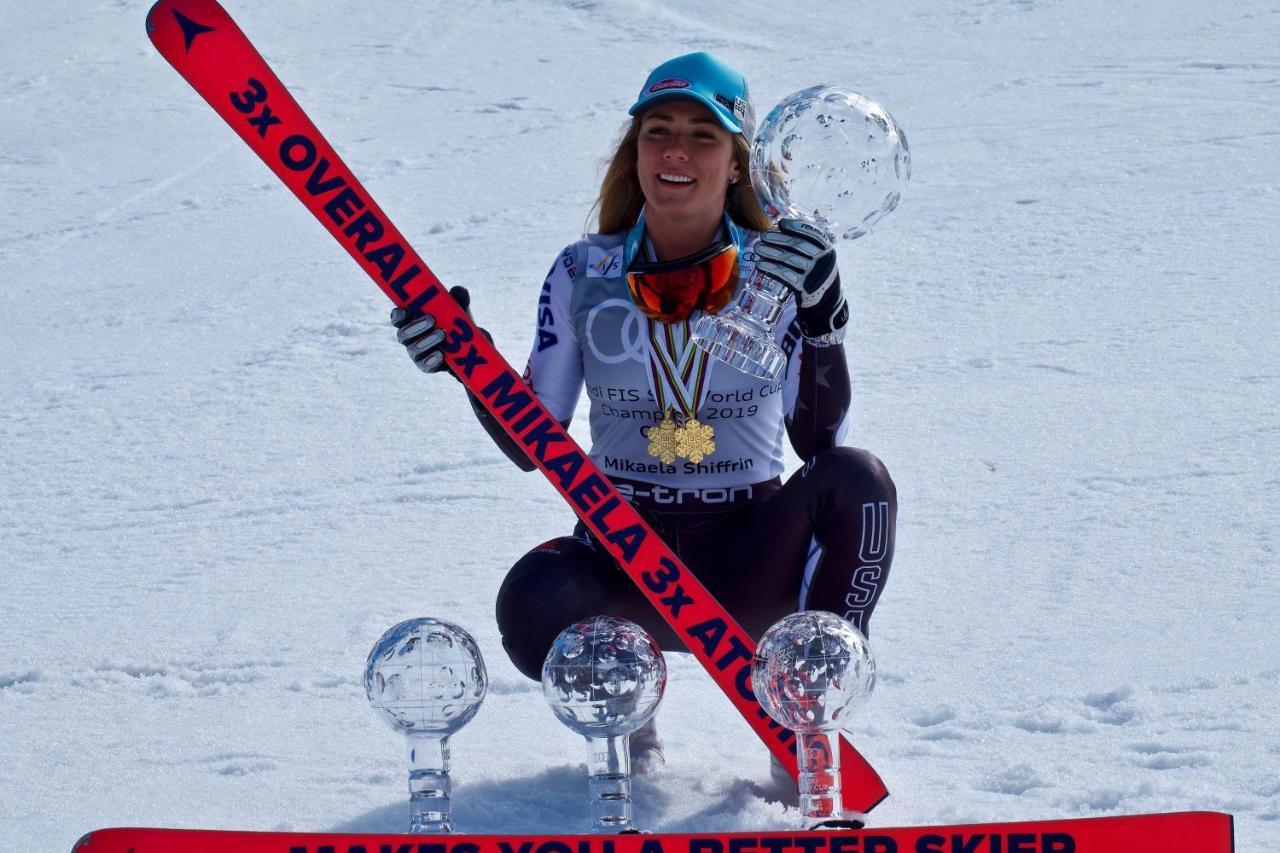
x: 678, y: 371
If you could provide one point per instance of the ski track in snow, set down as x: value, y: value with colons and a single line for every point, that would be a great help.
x: 220, y: 480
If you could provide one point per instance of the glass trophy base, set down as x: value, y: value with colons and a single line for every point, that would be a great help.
x: 743, y: 346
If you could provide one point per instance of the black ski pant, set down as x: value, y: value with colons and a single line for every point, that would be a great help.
x: 823, y: 540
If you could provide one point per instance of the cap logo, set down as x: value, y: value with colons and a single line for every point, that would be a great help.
x: 669, y: 83
x: 737, y: 106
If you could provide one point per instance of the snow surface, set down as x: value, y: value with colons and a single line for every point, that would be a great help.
x: 221, y: 480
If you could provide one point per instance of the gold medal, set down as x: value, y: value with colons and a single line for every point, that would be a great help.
x: 662, y: 439
x: 695, y: 440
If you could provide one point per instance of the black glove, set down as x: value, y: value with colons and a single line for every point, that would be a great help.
x: 799, y: 256
x: 424, y: 340
x: 420, y: 335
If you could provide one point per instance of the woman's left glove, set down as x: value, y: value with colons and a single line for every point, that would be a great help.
x: 799, y: 256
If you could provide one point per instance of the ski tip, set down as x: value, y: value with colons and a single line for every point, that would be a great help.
x: 883, y: 797
x: 151, y: 17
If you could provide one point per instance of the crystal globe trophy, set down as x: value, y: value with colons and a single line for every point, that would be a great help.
x: 831, y: 157
x: 604, y: 678
x: 810, y: 672
x: 426, y: 679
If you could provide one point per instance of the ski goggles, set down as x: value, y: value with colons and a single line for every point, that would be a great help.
x: 668, y: 291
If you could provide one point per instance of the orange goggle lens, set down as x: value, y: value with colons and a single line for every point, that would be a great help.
x: 668, y: 291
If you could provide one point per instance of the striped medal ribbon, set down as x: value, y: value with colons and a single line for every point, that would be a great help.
x: 678, y: 374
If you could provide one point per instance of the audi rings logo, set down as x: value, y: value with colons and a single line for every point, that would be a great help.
x: 615, y: 332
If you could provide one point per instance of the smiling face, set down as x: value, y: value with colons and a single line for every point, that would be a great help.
x: 684, y: 162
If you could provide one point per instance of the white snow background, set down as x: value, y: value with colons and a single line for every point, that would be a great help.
x: 221, y: 479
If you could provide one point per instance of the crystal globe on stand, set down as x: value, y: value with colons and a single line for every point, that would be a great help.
x: 811, y: 670
x: 604, y: 678
x: 426, y: 679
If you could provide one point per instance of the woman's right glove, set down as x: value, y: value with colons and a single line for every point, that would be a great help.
x: 420, y: 335
x: 424, y: 341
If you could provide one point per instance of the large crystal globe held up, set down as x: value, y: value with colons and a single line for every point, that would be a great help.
x: 831, y: 157
x: 811, y: 670
x: 426, y: 679
x: 604, y: 678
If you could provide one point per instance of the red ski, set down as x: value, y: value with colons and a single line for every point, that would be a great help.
x: 1185, y: 832
x: 206, y: 47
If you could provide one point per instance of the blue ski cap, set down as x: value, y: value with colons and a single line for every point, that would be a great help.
x: 704, y: 78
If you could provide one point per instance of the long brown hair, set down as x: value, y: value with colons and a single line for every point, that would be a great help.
x: 618, y: 205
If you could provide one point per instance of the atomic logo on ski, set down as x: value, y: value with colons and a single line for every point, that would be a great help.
x: 190, y: 29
